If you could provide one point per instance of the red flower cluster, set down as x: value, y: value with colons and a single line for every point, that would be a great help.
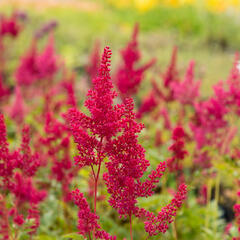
x: 177, y: 148
x: 159, y: 224
x: 128, y: 76
x: 36, y: 66
x: 88, y: 221
x: 19, y: 185
x: 187, y: 91
x: 148, y: 104
x: 9, y: 26
x: 111, y: 131
x: 57, y: 144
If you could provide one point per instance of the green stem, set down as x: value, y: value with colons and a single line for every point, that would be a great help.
x: 175, y: 230
x: 96, y: 177
x: 217, y: 194
x: 209, y: 192
x: 131, y: 232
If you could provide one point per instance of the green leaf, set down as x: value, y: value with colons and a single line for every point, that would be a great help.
x: 73, y: 236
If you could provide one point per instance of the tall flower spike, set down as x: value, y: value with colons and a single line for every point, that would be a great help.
x: 9, y: 26
x: 159, y: 224
x: 47, y: 60
x: 170, y: 76
x: 7, y: 160
x: 88, y: 221
x: 104, y: 118
x: 128, y: 76
x: 18, y: 108
x: 177, y: 148
x: 188, y: 90
x: 28, y: 162
x: 4, y: 91
x: 27, y: 71
x: 126, y: 167
x: 148, y: 104
x: 114, y: 133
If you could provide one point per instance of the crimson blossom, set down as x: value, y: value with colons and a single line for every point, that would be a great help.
x: 16, y: 180
x: 110, y: 135
x: 36, y: 66
x: 128, y: 76
x: 177, y: 148
x: 9, y: 26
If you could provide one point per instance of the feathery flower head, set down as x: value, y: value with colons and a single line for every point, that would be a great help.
x: 104, y: 119
x: 188, y: 90
x: 18, y: 108
x: 35, y: 66
x: 159, y: 224
x: 7, y: 160
x: 28, y: 162
x: 148, y: 104
x: 177, y: 148
x: 9, y: 26
x: 47, y: 60
x: 27, y: 72
x: 4, y: 91
x: 128, y: 76
x: 88, y: 221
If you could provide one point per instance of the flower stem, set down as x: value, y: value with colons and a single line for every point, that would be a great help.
x: 217, y: 193
x: 209, y: 193
x: 175, y: 230
x: 96, y: 177
x: 131, y: 233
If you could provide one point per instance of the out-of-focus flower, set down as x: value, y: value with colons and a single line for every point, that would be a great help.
x: 188, y: 90
x: 148, y: 104
x: 178, y: 150
x: 37, y: 66
x: 46, y: 28
x: 9, y: 26
x: 4, y: 91
x: 128, y: 76
x: 18, y: 108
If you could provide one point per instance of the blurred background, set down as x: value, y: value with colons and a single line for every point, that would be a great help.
x: 206, y: 30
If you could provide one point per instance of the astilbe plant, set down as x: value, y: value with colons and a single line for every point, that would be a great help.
x: 110, y: 135
x: 148, y: 104
x: 56, y: 147
x: 175, y: 163
x: 9, y: 26
x: 187, y: 90
x: 169, y: 78
x: 129, y: 76
x: 212, y: 123
x: 37, y: 66
x: 16, y: 182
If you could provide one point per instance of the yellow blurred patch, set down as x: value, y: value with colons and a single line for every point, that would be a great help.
x: 144, y: 5
x: 222, y: 5
x: 211, y: 5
